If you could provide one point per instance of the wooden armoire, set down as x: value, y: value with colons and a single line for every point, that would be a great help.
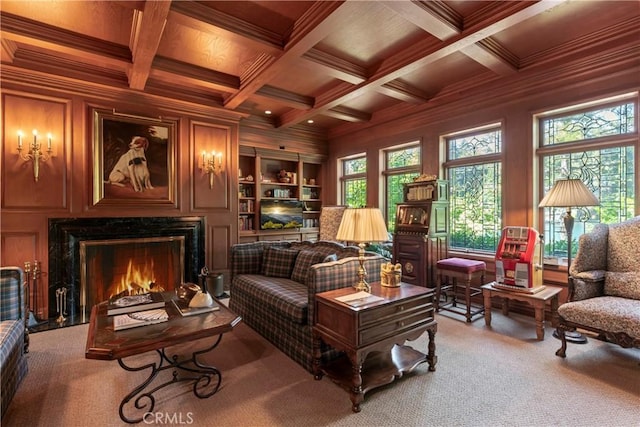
x: 421, y: 235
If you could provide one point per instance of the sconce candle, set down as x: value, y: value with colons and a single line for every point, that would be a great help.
x: 209, y: 165
x: 34, y: 154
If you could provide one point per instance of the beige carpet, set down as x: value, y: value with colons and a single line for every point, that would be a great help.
x: 485, y: 377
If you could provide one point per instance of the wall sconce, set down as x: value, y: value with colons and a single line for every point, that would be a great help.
x: 211, y: 164
x: 35, y: 154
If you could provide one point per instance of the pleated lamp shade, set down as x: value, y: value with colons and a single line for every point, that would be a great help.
x: 567, y: 193
x: 362, y: 225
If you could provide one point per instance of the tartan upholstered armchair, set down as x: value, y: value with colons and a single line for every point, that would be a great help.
x: 13, y: 332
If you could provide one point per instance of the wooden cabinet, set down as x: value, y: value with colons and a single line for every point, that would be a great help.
x: 373, y: 336
x: 268, y: 177
x: 421, y: 237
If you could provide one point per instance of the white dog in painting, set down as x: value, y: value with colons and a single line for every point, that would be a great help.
x: 132, y: 166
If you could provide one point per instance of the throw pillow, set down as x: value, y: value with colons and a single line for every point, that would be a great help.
x: 622, y: 284
x: 304, y: 261
x: 278, y: 262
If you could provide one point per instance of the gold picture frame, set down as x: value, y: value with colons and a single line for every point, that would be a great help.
x: 133, y: 159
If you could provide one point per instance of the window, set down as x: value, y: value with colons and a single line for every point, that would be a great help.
x: 474, y: 170
x: 401, y: 165
x: 353, y: 181
x: 597, y: 144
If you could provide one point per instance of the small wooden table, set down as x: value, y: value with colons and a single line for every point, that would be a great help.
x: 373, y: 335
x: 104, y: 343
x: 537, y: 300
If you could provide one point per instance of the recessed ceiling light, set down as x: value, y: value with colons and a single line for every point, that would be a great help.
x: 267, y: 112
x: 309, y: 121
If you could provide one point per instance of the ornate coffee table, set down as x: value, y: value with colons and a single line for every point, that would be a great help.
x: 103, y: 343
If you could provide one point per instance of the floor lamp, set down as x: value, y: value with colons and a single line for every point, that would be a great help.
x: 567, y: 193
x: 362, y: 226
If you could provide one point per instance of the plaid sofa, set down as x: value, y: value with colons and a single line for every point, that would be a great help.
x: 273, y: 285
x: 13, y: 333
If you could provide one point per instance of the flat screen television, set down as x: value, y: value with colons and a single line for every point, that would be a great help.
x: 280, y: 214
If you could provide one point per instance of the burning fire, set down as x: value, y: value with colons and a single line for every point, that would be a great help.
x: 137, y: 280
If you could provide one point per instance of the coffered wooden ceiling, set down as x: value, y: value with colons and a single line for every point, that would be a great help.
x: 336, y: 63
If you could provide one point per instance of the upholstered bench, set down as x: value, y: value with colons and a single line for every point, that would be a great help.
x: 457, y: 275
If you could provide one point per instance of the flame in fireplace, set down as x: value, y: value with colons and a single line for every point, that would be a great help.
x: 137, y: 280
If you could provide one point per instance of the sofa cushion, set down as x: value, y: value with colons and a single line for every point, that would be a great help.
x: 622, y: 284
x: 608, y: 313
x: 278, y: 262
x: 304, y: 261
x: 274, y: 295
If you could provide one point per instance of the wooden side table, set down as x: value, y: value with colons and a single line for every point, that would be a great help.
x: 537, y: 300
x: 373, y: 335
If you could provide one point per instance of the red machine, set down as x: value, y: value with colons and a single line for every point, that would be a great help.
x: 518, y: 258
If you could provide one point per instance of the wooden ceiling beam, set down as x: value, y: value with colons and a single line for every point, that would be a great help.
x: 317, y: 23
x: 146, y: 33
x: 211, y: 21
x: 285, y: 97
x: 168, y: 69
x: 420, y: 55
x: 404, y: 92
x: 27, y: 31
x: 348, y: 114
x: 444, y: 23
x: 336, y: 67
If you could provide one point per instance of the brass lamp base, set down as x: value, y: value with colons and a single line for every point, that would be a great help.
x: 362, y: 284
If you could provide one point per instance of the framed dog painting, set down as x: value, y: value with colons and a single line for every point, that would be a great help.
x: 133, y: 159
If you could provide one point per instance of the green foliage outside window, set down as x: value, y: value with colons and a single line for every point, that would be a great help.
x: 475, y: 191
x: 354, y: 182
x: 355, y: 193
x: 402, y: 166
x: 609, y: 173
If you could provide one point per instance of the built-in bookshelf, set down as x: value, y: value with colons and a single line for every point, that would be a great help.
x: 277, y: 175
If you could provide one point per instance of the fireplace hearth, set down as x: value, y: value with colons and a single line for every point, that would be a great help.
x: 92, y: 258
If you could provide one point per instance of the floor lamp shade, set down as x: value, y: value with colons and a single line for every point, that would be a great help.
x: 567, y: 193
x: 362, y: 226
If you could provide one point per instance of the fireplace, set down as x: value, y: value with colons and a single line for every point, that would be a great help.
x: 92, y: 259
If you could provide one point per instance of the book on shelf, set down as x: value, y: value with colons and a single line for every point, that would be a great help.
x: 185, y: 310
x: 133, y: 303
x: 139, y: 318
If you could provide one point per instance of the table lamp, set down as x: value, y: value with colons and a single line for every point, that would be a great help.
x: 362, y: 226
x: 568, y: 193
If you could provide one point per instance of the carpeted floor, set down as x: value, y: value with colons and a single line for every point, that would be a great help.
x: 499, y: 376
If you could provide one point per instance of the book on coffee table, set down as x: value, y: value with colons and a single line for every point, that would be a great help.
x: 139, y: 318
x: 185, y: 310
x: 133, y: 303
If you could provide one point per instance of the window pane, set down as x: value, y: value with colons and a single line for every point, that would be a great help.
x: 609, y: 174
x: 403, y: 158
x: 615, y: 120
x: 476, y: 206
x: 475, y: 145
x: 354, y: 166
x: 355, y: 193
x: 395, y: 194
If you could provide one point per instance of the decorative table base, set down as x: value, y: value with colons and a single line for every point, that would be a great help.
x: 206, y: 380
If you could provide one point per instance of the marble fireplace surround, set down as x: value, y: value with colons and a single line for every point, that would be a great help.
x: 65, y: 235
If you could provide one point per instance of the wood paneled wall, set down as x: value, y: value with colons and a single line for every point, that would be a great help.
x: 65, y: 187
